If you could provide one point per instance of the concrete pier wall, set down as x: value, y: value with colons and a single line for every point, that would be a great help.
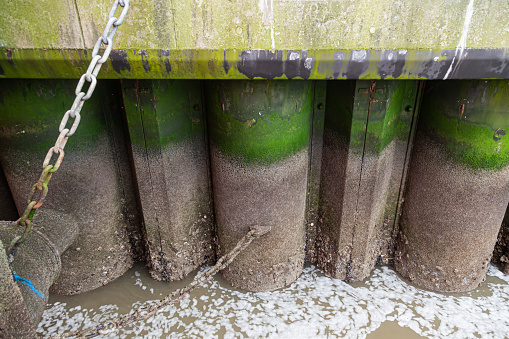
x: 348, y: 174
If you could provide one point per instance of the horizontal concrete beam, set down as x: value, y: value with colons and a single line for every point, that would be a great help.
x: 264, y: 64
x: 225, y: 39
x: 264, y: 24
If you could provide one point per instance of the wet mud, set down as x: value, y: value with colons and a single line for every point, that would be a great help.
x: 450, y: 220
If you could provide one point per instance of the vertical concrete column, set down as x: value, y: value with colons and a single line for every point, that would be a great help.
x: 7, y: 207
x: 87, y: 185
x: 259, y: 135
x: 168, y: 137
x: 366, y: 137
x: 458, y: 185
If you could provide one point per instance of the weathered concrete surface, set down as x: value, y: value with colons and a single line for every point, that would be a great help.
x: 15, y: 321
x: 315, y: 170
x: 270, y: 195
x: 208, y: 24
x: 38, y: 260
x: 7, y: 207
x: 458, y: 186
x: 35, y: 24
x: 450, y: 221
x: 364, y: 152
x: 501, y: 253
x: 168, y: 135
x: 60, y: 228
x: 259, y: 134
x: 333, y: 63
x: 380, y: 39
x: 87, y: 185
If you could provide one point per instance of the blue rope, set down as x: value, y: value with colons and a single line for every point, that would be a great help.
x: 28, y: 283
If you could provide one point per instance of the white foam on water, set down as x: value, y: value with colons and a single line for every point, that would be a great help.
x: 315, y: 306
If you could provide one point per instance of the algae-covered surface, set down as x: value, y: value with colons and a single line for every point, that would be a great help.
x: 315, y: 306
x: 260, y: 122
x: 471, y: 118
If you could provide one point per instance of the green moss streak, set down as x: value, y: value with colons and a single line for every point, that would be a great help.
x: 169, y: 111
x: 263, y: 121
x: 31, y: 111
x: 385, y: 124
x: 386, y: 121
x: 469, y: 136
x: 177, y: 117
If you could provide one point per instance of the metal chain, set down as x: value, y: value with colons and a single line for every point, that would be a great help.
x: 145, y: 312
x: 40, y: 188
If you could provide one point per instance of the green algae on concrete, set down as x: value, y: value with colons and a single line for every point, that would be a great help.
x: 259, y: 141
x: 168, y: 137
x: 471, y: 118
x: 457, y: 193
x: 173, y: 109
x: 225, y: 24
x: 88, y: 183
x: 40, y: 24
x: 260, y: 121
x: 385, y: 109
x: 31, y: 112
x: 367, y: 129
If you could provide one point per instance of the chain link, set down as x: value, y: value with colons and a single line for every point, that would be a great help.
x: 40, y: 188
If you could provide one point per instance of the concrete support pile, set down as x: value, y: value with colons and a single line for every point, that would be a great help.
x: 167, y: 128
x: 458, y: 185
x: 91, y: 183
x: 366, y: 137
x: 259, y: 136
x: 36, y: 259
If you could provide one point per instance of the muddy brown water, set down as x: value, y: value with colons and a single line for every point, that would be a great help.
x: 315, y: 306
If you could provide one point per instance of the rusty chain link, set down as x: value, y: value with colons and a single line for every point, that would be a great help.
x: 40, y: 188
